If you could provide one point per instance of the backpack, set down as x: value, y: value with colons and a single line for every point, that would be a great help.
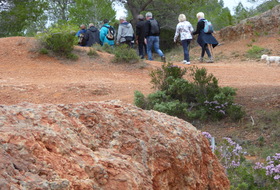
x: 208, y: 27
x: 154, y: 27
x: 82, y: 40
x: 111, y: 33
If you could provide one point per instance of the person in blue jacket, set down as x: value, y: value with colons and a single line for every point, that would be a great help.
x: 83, y: 32
x: 103, y: 32
x: 204, y: 39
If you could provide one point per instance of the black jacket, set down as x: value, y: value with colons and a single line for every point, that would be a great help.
x: 148, y: 29
x: 140, y: 31
x: 200, y: 26
x: 204, y: 38
x: 92, y: 36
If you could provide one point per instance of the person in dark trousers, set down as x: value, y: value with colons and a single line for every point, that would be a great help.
x: 152, y: 32
x: 184, y: 29
x: 204, y: 39
x: 92, y: 36
x: 125, y: 32
x: 140, y: 36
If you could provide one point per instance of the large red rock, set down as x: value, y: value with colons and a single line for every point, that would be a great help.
x: 103, y: 145
x: 263, y: 24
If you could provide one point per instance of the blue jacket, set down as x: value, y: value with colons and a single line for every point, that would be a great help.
x: 82, y: 31
x: 103, y: 33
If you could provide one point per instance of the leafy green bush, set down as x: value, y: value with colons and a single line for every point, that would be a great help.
x: 43, y: 51
x: 72, y: 56
x: 92, y: 52
x: 173, y: 107
x: 98, y: 47
x: 200, y: 98
x: 160, y: 75
x: 255, y: 52
x: 139, y: 99
x: 59, y: 39
x: 107, y: 48
x: 123, y: 54
x: 244, y: 174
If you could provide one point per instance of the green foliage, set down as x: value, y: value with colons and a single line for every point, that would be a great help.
x: 241, y: 12
x: 107, y: 48
x: 19, y: 16
x: 206, y: 84
x: 124, y: 54
x: 160, y: 75
x: 242, y: 178
x: 244, y: 174
x: 91, y: 11
x: 92, y: 53
x: 43, y: 51
x: 59, y: 40
x: 139, y: 99
x: 72, y: 56
x: 200, y: 99
x: 60, y: 43
x: 255, y: 52
x: 173, y: 107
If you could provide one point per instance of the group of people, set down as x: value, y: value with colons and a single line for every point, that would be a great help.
x: 147, y: 36
x: 92, y: 35
x: 205, y: 40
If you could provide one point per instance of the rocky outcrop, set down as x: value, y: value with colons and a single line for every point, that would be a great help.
x: 102, y: 145
x: 265, y: 23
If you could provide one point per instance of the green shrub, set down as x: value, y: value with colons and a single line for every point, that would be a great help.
x: 255, y: 52
x: 206, y: 84
x: 200, y: 98
x: 44, y: 51
x: 139, y: 100
x: 92, y: 52
x: 123, y: 54
x: 160, y: 75
x: 72, y: 56
x: 97, y: 47
x: 58, y: 39
x: 235, y: 112
x: 107, y: 48
x: 174, y: 108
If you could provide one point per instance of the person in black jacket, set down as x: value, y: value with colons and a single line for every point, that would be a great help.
x: 152, y: 32
x: 92, y: 36
x: 204, y: 39
x: 140, y: 36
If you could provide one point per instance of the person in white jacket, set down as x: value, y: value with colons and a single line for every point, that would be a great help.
x: 184, y: 29
x: 125, y: 32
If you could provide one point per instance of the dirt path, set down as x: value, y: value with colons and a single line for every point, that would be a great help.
x: 27, y: 77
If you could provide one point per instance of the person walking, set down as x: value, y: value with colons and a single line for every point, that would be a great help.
x: 92, y: 35
x: 103, y: 33
x: 184, y: 29
x: 152, y: 32
x: 140, y: 36
x: 204, y: 38
x: 125, y: 32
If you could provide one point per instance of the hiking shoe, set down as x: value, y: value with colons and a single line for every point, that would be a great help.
x: 201, y: 59
x: 210, y: 60
x: 188, y: 63
x: 184, y: 62
x: 163, y: 59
